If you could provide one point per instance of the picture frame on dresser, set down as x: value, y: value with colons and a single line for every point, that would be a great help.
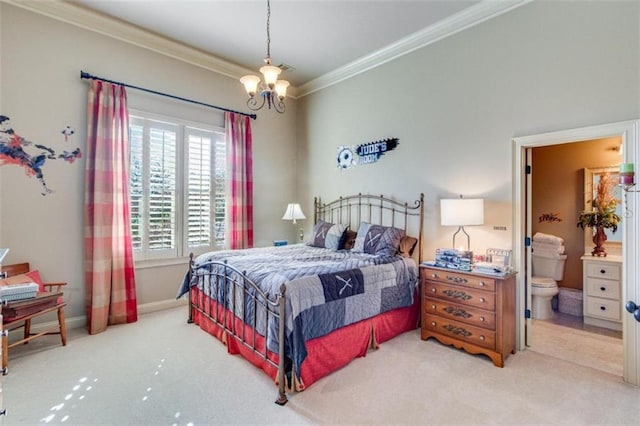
x: 499, y: 257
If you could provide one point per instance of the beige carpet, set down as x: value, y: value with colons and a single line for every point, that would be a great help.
x: 578, y: 346
x: 162, y: 371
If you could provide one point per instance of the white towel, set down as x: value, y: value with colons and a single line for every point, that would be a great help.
x: 551, y: 248
x: 548, y: 238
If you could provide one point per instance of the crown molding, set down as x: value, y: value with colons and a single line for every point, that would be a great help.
x: 93, y: 21
x: 467, y: 18
x: 102, y: 24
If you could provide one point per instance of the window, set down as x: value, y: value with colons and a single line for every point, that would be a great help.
x: 177, y: 187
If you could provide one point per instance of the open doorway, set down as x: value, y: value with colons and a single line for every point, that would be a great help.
x: 629, y: 132
x: 581, y: 311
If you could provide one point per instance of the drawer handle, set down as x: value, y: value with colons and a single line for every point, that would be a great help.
x: 603, y: 289
x: 603, y: 308
x: 434, y: 275
x: 482, y: 284
x: 456, y: 312
x: 433, y: 290
x: 456, y: 279
x: 457, y: 294
x: 433, y: 323
x: 481, y: 319
x: 457, y: 330
x: 433, y: 307
x: 482, y: 338
x: 482, y: 300
x: 603, y: 271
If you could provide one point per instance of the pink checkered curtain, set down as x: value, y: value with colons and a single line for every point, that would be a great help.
x: 240, y: 181
x: 109, y: 270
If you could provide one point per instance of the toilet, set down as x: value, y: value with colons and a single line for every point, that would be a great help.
x: 548, y: 268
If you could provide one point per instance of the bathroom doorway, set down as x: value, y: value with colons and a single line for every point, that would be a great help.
x: 629, y: 132
x: 554, y: 211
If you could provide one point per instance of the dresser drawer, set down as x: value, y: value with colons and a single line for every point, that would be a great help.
x: 603, y: 308
x: 460, y: 294
x: 603, y: 270
x: 603, y: 288
x: 461, y: 279
x: 461, y: 331
x: 468, y: 315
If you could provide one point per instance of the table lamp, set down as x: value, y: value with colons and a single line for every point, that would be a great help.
x: 294, y: 213
x: 461, y: 212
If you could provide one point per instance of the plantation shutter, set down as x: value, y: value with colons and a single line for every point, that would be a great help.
x: 199, y: 189
x: 162, y: 187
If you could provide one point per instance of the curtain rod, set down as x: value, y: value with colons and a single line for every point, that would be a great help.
x: 86, y: 75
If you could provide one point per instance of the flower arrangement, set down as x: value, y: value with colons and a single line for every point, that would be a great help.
x: 602, y: 214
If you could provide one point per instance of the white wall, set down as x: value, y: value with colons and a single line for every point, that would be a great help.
x: 456, y: 104
x: 42, y: 92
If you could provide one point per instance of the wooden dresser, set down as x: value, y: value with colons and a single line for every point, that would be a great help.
x: 470, y: 311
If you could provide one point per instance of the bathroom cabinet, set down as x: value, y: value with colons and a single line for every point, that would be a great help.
x: 602, y: 291
x: 473, y: 312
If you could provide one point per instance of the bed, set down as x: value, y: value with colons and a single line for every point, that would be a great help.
x: 302, y: 311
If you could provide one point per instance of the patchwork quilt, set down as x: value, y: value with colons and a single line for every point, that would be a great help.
x: 325, y: 289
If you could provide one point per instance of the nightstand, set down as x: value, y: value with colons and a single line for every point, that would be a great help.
x: 470, y: 311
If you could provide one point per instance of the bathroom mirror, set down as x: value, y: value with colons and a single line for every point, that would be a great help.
x: 591, y: 179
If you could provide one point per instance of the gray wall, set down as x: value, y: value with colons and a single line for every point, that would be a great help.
x: 456, y: 104
x: 42, y: 92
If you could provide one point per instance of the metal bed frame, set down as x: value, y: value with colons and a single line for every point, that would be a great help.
x: 233, y: 284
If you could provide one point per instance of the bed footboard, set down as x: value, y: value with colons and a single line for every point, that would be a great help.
x: 242, y: 311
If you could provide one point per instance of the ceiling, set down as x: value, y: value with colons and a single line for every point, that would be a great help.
x: 324, y: 41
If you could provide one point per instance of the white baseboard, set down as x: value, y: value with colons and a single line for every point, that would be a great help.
x: 81, y: 321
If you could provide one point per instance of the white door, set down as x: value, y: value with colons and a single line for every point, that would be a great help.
x: 527, y: 247
x: 629, y: 132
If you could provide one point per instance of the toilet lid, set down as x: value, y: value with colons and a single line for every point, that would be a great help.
x: 543, y: 282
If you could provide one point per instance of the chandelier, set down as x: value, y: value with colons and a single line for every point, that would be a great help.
x: 271, y: 90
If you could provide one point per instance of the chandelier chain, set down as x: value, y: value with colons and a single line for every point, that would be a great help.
x: 268, y: 58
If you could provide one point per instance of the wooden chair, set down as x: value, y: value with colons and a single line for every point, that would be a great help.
x: 19, y: 313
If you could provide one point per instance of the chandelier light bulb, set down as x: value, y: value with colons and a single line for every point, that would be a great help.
x: 270, y: 74
x: 250, y: 84
x: 281, y: 88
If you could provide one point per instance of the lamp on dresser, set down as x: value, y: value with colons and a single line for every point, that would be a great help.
x: 294, y: 213
x: 461, y: 212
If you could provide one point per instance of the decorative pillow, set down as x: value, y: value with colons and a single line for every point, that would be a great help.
x: 327, y: 235
x: 378, y: 239
x: 407, y: 245
x: 29, y: 277
x: 348, y: 240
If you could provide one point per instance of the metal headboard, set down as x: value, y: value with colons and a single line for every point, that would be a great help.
x: 375, y: 209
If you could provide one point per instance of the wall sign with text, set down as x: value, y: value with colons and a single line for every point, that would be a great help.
x: 365, y: 153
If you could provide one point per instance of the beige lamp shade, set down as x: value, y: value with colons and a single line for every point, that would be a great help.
x: 462, y: 211
x: 293, y: 212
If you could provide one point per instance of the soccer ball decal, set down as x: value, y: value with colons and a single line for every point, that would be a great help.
x: 346, y: 157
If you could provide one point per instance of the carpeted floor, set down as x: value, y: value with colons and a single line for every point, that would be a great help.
x: 162, y: 371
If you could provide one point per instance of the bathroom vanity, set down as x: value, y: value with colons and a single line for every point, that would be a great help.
x: 602, y: 291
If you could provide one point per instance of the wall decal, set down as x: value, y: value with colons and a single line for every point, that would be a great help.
x: 549, y: 217
x: 365, y: 153
x: 12, y: 152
